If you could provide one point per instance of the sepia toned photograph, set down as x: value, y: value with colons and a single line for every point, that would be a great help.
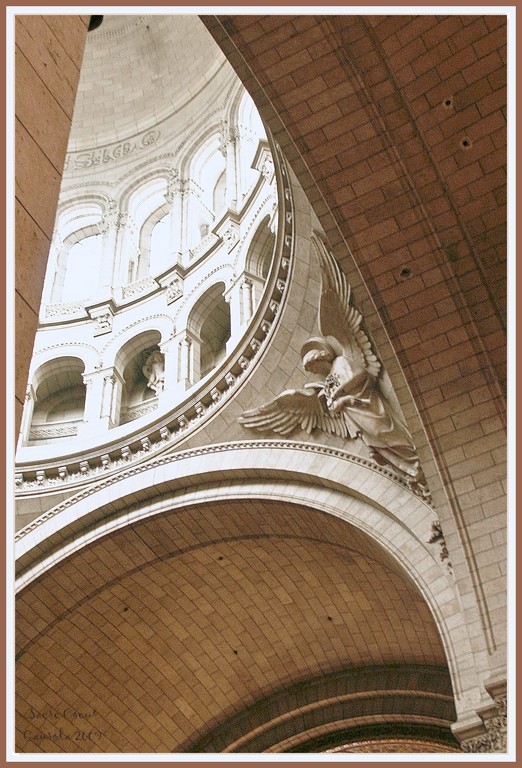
x: 260, y: 500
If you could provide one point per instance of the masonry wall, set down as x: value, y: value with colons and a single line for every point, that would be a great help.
x: 48, y: 57
x: 396, y: 128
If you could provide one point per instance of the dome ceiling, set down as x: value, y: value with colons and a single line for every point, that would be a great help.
x: 138, y: 70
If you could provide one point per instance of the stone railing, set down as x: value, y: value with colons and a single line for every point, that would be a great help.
x: 141, y: 409
x: 54, y: 430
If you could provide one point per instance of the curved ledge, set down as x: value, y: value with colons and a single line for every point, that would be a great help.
x: 132, y: 445
x: 365, y: 494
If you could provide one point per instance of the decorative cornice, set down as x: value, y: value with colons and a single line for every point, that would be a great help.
x: 45, y: 431
x: 145, y: 285
x: 65, y: 310
x: 168, y: 458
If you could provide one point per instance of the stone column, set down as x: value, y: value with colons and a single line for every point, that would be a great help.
x: 169, y: 351
x: 247, y: 303
x: 102, y: 402
x: 174, y: 196
x: 27, y: 415
x: 234, y: 298
x: 128, y: 267
x: 187, y: 348
x: 112, y: 394
x: 191, y: 204
x: 108, y: 228
x: 229, y: 149
x: 93, y: 422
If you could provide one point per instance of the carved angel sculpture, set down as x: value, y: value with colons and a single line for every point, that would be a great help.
x: 347, y: 400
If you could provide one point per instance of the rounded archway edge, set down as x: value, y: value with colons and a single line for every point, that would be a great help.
x: 323, y: 478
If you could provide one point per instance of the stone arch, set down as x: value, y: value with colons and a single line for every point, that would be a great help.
x: 208, y: 323
x: 151, y: 261
x: 205, y: 165
x: 113, y: 352
x: 58, y: 392
x: 260, y: 251
x: 74, y: 216
x: 71, y: 271
x: 348, y: 488
x: 134, y: 392
x: 84, y: 252
x: 143, y: 197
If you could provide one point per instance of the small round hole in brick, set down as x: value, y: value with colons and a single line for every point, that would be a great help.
x: 405, y: 273
x: 466, y: 143
x: 448, y: 102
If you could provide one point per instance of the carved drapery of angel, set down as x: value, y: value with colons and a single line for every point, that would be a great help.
x: 347, y: 401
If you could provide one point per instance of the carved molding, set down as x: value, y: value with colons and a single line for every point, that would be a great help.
x: 44, y: 431
x: 167, y: 458
x: 140, y: 286
x: 112, y: 152
x: 494, y: 738
x: 135, y: 411
x: 64, y: 310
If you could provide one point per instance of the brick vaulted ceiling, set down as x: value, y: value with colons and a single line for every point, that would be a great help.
x: 396, y: 127
x: 174, y: 627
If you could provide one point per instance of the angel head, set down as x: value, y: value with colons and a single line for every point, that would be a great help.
x: 318, y: 354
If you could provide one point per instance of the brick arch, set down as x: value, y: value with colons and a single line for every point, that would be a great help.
x: 394, y: 519
x: 371, y: 113
x: 181, y: 593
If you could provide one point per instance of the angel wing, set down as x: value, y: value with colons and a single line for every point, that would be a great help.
x: 337, y: 317
x: 298, y: 408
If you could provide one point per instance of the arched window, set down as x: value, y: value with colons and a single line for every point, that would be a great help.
x: 141, y: 365
x: 59, y: 400
x: 209, y: 321
x: 160, y: 246
x: 207, y: 191
x: 146, y: 207
x: 82, y: 273
x: 251, y: 130
x: 219, y: 196
x: 260, y: 251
